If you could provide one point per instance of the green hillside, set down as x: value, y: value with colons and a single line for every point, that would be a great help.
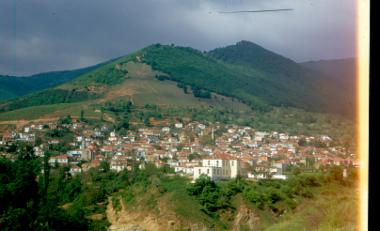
x: 316, y: 90
x: 138, y: 85
x: 182, y: 76
x: 267, y: 80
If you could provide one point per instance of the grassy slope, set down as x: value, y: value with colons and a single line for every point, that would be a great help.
x: 333, y: 208
x: 143, y: 88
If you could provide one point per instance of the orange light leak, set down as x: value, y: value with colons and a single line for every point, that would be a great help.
x: 362, y: 108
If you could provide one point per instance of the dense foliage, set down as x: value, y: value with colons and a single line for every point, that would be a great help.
x: 276, y: 195
x: 24, y: 202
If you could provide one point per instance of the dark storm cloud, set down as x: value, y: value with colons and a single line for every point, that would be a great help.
x: 43, y: 35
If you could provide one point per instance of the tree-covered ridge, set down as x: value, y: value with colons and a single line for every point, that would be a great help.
x: 318, y: 91
x: 259, y: 86
x: 197, y: 70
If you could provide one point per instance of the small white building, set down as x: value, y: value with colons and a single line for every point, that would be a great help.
x: 61, y: 160
x: 165, y: 129
x: 279, y: 177
x: 201, y: 126
x: 178, y: 125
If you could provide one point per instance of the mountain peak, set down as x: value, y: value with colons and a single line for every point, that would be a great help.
x: 256, y: 56
x: 246, y: 43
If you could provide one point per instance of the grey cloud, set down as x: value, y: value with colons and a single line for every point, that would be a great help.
x: 45, y: 35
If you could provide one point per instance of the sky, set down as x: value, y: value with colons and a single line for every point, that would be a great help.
x: 47, y: 35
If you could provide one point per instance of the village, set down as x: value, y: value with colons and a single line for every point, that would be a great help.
x: 189, y: 149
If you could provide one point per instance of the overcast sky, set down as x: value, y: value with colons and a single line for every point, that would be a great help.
x: 45, y: 35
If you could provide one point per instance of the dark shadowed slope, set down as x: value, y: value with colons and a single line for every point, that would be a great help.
x: 340, y: 73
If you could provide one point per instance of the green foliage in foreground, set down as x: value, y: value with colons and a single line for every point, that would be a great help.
x: 275, y: 195
x: 56, y: 200
x: 24, y: 205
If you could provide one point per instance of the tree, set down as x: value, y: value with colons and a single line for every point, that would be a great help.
x: 65, y: 120
x: 102, y: 115
x: 104, y: 166
x: 302, y: 142
x: 147, y: 122
x: 82, y: 115
x: 193, y: 156
x: 123, y: 124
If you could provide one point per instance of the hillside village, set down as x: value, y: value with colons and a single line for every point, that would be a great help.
x: 189, y: 149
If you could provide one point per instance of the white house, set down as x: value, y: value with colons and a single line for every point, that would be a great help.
x: 218, y: 168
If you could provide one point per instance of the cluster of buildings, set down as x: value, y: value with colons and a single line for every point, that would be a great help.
x: 192, y: 149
